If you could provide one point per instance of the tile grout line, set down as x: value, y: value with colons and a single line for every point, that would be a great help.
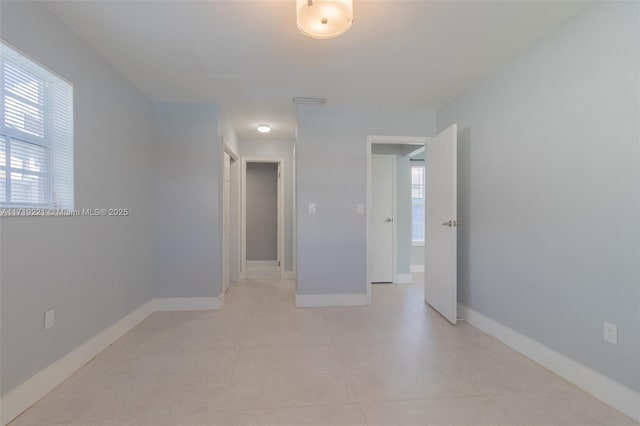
x: 353, y: 393
x: 235, y: 364
x: 500, y: 409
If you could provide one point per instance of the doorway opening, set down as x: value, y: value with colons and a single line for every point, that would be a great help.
x: 230, y: 215
x: 389, y: 202
x: 440, y: 217
x: 262, y: 218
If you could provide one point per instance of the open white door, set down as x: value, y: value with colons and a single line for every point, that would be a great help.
x: 440, y: 247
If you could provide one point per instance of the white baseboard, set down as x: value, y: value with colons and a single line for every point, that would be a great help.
x: 611, y: 392
x: 288, y: 275
x: 416, y: 268
x: 188, y: 304
x: 319, y: 300
x: 26, y: 394
x: 262, y: 263
x: 404, y: 279
x: 32, y: 390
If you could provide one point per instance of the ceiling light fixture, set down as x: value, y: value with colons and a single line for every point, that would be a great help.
x: 308, y: 101
x: 324, y: 18
x: 264, y: 128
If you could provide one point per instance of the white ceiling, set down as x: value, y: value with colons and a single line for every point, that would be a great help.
x: 250, y: 58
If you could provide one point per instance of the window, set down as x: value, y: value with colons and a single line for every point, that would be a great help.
x: 36, y: 135
x: 417, y: 205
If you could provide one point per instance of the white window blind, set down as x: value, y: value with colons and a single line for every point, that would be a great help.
x: 417, y: 204
x: 36, y: 135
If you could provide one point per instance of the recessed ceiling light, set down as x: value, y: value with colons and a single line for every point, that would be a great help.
x: 264, y: 128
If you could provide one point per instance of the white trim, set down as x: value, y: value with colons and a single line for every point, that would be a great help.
x: 32, y: 390
x: 416, y: 268
x: 319, y: 300
x: 243, y: 196
x: 226, y: 148
x: 288, y: 275
x: 261, y: 263
x: 29, y: 392
x: 404, y: 279
x: 189, y: 303
x: 611, y: 392
x: 371, y: 139
x: 416, y: 152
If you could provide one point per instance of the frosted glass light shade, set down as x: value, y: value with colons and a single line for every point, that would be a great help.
x: 324, y: 18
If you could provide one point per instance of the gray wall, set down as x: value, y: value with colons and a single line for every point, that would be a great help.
x: 262, y: 211
x: 549, y: 191
x: 91, y: 270
x: 403, y: 215
x: 187, y: 201
x: 331, y: 172
x: 417, y: 255
x: 280, y: 149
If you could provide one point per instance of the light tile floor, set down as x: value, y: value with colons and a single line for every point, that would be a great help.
x: 261, y: 361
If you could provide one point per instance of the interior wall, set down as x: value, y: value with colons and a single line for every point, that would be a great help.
x: 187, y: 200
x: 91, y: 270
x: 403, y: 215
x: 331, y: 163
x: 278, y: 149
x: 549, y: 191
x: 262, y: 211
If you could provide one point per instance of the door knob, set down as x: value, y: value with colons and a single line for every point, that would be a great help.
x: 451, y: 223
x: 389, y: 220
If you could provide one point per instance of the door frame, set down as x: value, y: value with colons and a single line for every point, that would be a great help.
x: 395, y: 140
x: 233, y: 233
x: 280, y: 207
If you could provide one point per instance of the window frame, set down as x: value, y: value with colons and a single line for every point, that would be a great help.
x: 414, y: 242
x: 50, y: 101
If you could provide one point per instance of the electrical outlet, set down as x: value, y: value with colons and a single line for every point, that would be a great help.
x: 49, y: 319
x: 610, y: 333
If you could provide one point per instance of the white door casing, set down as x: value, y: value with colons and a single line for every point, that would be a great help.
x: 382, y: 200
x: 440, y: 277
x: 280, y: 207
x: 226, y: 220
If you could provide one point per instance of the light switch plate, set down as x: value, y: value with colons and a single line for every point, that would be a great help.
x: 610, y: 333
x: 49, y: 319
x: 360, y: 209
x: 312, y: 208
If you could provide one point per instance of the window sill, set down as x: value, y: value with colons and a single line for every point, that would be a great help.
x: 417, y: 244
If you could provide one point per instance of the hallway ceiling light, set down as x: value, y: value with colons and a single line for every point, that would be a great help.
x: 264, y: 128
x: 324, y: 18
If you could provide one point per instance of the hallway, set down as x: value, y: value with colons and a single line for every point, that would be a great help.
x: 261, y: 361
